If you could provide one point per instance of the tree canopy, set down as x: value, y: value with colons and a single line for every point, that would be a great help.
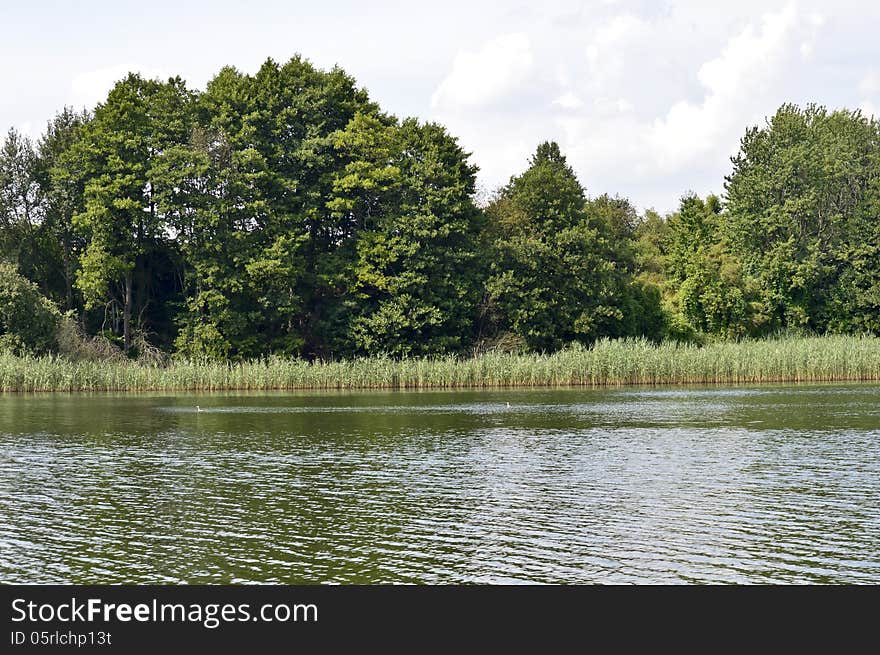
x: 285, y: 212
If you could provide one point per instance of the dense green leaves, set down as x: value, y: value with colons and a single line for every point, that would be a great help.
x: 124, y: 231
x: 417, y: 280
x: 283, y: 212
x: 802, y: 217
x: 28, y: 321
x: 560, y: 266
x: 796, y: 244
x: 22, y: 203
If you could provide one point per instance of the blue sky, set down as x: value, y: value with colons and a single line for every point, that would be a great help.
x: 647, y: 99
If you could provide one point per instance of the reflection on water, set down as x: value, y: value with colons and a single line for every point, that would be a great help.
x: 767, y: 484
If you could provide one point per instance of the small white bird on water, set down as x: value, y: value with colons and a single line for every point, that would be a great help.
x: 199, y: 409
x: 508, y: 404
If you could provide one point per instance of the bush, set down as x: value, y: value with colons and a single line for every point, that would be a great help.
x: 28, y: 320
x: 76, y: 345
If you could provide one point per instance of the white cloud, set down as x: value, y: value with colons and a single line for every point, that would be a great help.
x: 618, y: 146
x: 611, y: 107
x: 488, y: 75
x: 646, y: 99
x: 607, y: 51
x: 870, y: 84
x: 651, y: 103
x: 569, y: 101
x: 744, y: 72
x: 89, y: 88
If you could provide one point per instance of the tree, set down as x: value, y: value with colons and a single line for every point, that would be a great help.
x: 560, y: 266
x: 139, y: 121
x: 274, y: 272
x: 638, y: 300
x: 800, y: 215
x: 650, y: 238
x: 63, y: 184
x: 709, y: 292
x: 28, y: 320
x: 417, y: 279
x: 22, y: 203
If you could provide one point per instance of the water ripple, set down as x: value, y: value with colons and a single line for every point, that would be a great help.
x: 621, y: 486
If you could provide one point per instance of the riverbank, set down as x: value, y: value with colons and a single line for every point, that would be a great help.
x: 608, y: 363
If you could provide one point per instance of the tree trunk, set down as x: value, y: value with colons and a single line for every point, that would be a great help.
x: 126, y: 313
x: 68, y: 273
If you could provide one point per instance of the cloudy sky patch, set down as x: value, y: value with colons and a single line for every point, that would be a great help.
x: 648, y: 99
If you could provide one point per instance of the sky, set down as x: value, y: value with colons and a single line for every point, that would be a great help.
x: 648, y: 99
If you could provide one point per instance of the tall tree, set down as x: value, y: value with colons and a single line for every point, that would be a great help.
x: 711, y: 294
x: 417, y: 273
x: 637, y: 300
x: 61, y: 178
x: 553, y: 273
x: 286, y: 244
x: 799, y: 187
x: 22, y: 203
x: 138, y: 122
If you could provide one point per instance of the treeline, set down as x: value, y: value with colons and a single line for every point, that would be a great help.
x: 285, y: 213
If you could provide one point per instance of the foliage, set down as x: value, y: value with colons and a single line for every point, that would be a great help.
x: 28, y: 320
x: 561, y: 266
x: 416, y: 277
x: 283, y: 213
x: 711, y: 295
x: 802, y: 218
x: 607, y: 362
x: 124, y: 231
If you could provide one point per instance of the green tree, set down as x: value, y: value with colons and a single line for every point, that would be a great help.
x: 264, y: 167
x: 417, y: 279
x: 22, y: 203
x: 64, y: 187
x: 637, y: 299
x: 800, y: 216
x: 558, y: 272
x: 120, y: 221
x: 710, y: 294
x: 28, y: 320
x: 650, y: 238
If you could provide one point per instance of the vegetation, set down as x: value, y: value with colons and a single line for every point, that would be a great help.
x: 282, y: 217
x: 561, y: 266
x: 607, y: 362
x: 28, y: 321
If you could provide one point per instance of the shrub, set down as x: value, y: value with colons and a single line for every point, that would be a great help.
x: 28, y: 320
x: 76, y: 345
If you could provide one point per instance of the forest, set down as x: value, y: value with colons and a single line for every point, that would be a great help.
x: 285, y: 214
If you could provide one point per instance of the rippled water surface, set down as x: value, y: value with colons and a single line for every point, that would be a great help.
x: 765, y: 485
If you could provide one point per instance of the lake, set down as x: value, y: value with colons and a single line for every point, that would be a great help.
x: 771, y: 484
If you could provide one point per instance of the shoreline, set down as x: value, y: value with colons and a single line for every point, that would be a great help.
x: 608, y: 363
x: 410, y: 389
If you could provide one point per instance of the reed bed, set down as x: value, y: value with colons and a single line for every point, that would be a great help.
x: 607, y: 363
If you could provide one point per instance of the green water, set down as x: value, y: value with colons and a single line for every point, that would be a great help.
x: 764, y: 485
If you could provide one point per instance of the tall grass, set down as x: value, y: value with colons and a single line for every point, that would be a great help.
x: 621, y: 362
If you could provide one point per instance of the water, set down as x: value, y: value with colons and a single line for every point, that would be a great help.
x: 742, y: 485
